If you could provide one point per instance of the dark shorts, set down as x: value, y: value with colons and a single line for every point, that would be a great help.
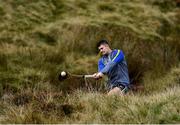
x: 123, y: 88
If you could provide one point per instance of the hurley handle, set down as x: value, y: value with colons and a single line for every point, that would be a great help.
x: 88, y: 76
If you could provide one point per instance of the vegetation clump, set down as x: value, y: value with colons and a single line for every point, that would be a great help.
x: 39, y: 39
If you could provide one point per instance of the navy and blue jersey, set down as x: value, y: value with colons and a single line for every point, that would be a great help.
x: 115, y: 67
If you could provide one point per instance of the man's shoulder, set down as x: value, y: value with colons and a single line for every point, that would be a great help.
x: 102, y: 59
x: 115, y: 51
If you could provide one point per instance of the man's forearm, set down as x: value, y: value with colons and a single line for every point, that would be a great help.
x: 108, y: 67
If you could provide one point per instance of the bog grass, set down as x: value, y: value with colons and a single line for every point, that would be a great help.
x: 38, y: 39
x: 93, y: 107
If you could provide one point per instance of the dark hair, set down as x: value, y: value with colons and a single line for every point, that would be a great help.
x: 101, y: 42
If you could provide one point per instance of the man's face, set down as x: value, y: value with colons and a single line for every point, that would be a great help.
x: 103, y: 49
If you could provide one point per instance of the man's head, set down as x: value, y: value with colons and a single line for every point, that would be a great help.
x: 103, y: 47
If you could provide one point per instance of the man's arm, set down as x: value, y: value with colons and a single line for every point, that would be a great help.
x: 100, y: 65
x: 118, y: 57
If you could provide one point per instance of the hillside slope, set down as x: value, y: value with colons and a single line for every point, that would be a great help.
x: 38, y: 39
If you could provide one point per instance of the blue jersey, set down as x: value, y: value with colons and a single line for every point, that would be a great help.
x: 115, y: 67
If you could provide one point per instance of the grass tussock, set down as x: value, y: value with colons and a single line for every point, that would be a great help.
x: 168, y: 80
x: 83, y: 107
x: 38, y: 39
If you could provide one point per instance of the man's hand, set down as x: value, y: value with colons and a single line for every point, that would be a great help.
x: 98, y: 75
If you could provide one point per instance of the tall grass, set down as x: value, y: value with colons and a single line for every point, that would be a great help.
x: 38, y: 39
x: 83, y: 107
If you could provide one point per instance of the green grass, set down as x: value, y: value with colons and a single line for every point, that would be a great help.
x: 38, y: 39
x: 85, y: 107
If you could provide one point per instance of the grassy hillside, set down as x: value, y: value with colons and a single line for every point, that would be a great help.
x: 38, y: 39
